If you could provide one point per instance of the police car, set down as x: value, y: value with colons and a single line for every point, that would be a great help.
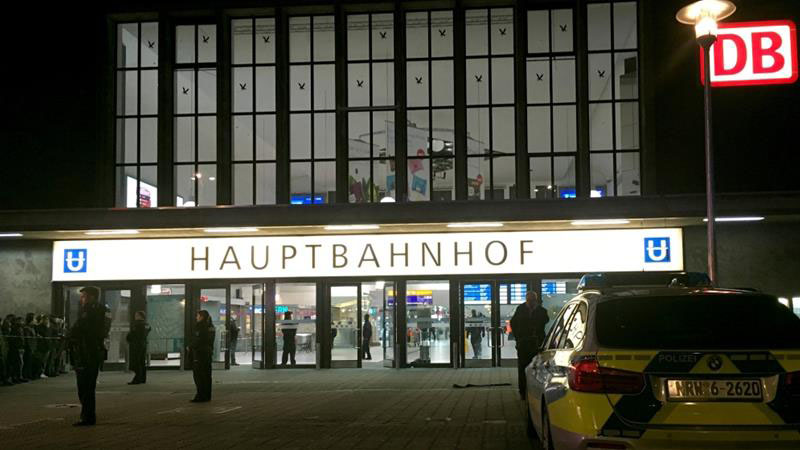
x: 634, y: 365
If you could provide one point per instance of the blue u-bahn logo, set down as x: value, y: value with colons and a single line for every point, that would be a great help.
x: 656, y: 250
x: 75, y: 260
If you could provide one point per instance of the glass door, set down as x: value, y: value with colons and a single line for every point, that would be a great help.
x: 215, y: 300
x: 165, y: 307
x: 511, y: 294
x: 345, y: 314
x: 244, y: 327
x: 428, y: 323
x: 479, y: 337
x: 389, y: 325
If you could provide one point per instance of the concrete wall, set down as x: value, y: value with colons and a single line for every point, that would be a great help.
x: 763, y: 255
x: 25, y: 276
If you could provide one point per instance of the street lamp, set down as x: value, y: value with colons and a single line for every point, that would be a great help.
x: 704, y: 15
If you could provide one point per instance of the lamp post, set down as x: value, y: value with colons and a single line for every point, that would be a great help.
x: 704, y: 15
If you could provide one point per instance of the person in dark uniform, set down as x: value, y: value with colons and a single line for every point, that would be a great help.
x: 86, y: 338
x: 137, y: 340
x: 366, y: 337
x: 233, y: 336
x: 202, y: 349
x: 527, y: 324
x: 289, y: 331
x: 476, y: 332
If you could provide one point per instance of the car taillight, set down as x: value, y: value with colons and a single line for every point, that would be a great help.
x: 586, y: 375
x: 791, y: 384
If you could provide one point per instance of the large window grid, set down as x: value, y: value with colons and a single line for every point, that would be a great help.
x: 491, y: 173
x: 136, y: 115
x: 370, y: 105
x: 253, y: 113
x: 430, y: 97
x: 195, y: 115
x: 551, y: 103
x: 312, y: 111
x: 613, y: 98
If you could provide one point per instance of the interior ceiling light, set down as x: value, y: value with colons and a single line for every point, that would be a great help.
x: 475, y: 225
x: 231, y: 230
x: 351, y: 227
x: 736, y: 219
x: 8, y: 235
x: 601, y: 222
x: 110, y: 232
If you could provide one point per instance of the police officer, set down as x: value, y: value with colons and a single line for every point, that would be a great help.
x: 289, y: 331
x: 87, y: 351
x: 202, y: 349
x: 476, y: 332
x: 233, y: 338
x: 527, y: 324
x: 366, y: 337
x: 137, y: 340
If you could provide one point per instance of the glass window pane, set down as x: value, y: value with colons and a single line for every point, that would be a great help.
x: 502, y: 31
x: 600, y: 126
x: 149, y: 100
x: 504, y: 178
x: 207, y: 43
x: 541, y: 180
x: 479, y: 178
x: 417, y: 83
x: 184, y: 186
x: 265, y: 137
x: 423, y: 318
x: 184, y: 44
x: 539, y: 129
x: 443, y: 179
x: 441, y: 33
x: 383, y: 134
x: 300, y: 138
x: 165, y: 315
x: 359, y: 135
x: 265, y: 40
x: 299, y: 39
x: 324, y: 39
x: 382, y: 36
x: 562, y: 31
x: 360, y: 182
x: 602, y: 170
x: 477, y: 21
x: 383, y: 84
x: 417, y: 35
x: 300, y: 88
x: 184, y: 91
x: 538, y: 39
x: 324, y: 87
x: 148, y: 137
x: 243, y: 138
x: 148, y: 191
x: 127, y: 93
x: 124, y: 178
x: 126, y: 141
x: 538, y: 76
x: 127, y: 45
x: 417, y: 133
x: 325, y: 180
x: 207, y: 90
x: 184, y: 139
x: 600, y: 76
x: 503, y: 130
x: 599, y: 26
x: 477, y: 81
x: 563, y: 80
x: 502, y: 80
x: 477, y: 131
x: 628, y: 179
x: 564, y: 176
x: 265, y: 89
x: 443, y: 134
x: 565, y: 128
x: 242, y: 37
x: 242, y: 89
x: 627, y: 125
x: 300, y: 180
x: 442, y: 87
x: 627, y: 75
x: 418, y: 179
x: 207, y: 185
x: 242, y: 184
x: 358, y: 84
x: 207, y: 138
x: 625, y: 25
x: 358, y: 37
x: 383, y: 174
x: 265, y: 184
x: 301, y: 300
x: 325, y: 136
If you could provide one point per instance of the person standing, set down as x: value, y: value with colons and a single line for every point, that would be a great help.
x: 366, y: 337
x: 527, y: 324
x: 476, y: 332
x: 233, y: 336
x: 202, y: 349
x: 86, y: 338
x: 137, y: 342
x: 289, y: 331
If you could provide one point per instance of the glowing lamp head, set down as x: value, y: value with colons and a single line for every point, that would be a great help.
x: 705, y: 15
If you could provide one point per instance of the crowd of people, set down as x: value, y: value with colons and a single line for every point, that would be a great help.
x: 31, y: 348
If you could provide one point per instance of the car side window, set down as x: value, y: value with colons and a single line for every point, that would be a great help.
x: 575, y: 330
x: 558, y: 328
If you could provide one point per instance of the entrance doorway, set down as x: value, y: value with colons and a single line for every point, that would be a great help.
x: 216, y: 300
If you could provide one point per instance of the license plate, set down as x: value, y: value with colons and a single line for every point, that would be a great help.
x: 714, y: 390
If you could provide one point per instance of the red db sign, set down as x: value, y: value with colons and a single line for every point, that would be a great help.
x: 752, y: 53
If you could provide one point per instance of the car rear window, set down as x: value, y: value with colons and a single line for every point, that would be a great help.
x: 712, y: 321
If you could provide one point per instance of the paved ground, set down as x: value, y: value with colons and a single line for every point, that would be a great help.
x: 303, y: 408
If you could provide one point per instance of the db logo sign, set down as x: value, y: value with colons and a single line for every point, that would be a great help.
x: 75, y: 260
x: 656, y: 250
x: 752, y: 53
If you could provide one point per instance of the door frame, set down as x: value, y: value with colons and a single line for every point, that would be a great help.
x: 194, y: 306
x: 339, y: 364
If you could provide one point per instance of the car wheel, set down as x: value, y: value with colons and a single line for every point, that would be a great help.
x: 547, y: 436
x: 530, y: 430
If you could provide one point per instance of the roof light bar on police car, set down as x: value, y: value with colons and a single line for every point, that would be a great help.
x: 643, y: 279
